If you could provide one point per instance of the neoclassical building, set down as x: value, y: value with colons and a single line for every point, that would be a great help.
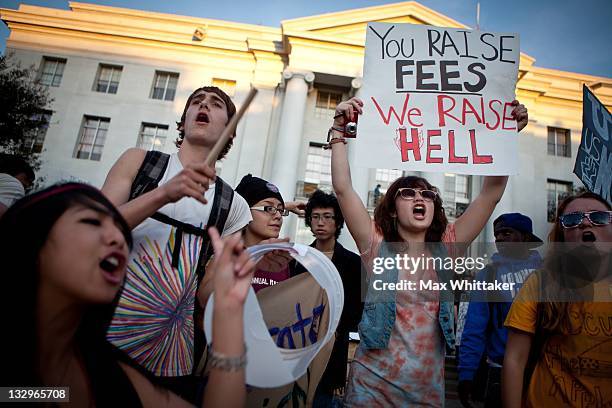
x: 120, y: 78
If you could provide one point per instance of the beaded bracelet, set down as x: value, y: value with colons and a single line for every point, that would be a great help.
x: 225, y: 363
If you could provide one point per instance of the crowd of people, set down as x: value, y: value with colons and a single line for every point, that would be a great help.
x: 112, y: 284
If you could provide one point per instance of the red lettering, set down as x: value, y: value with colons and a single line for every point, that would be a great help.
x: 430, y: 147
x: 444, y: 112
x: 413, y: 145
x: 468, y: 108
x: 418, y: 113
x: 476, y: 158
x: 451, y: 150
x: 508, y: 118
x: 387, y: 119
x: 495, y: 113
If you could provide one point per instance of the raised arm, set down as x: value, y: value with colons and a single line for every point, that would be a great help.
x: 513, y: 372
x: 354, y: 211
x: 475, y: 217
x: 233, y: 271
x: 192, y: 181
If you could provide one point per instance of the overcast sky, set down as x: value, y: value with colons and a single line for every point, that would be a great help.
x: 570, y: 35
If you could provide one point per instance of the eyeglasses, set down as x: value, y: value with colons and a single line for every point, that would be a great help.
x: 572, y: 220
x: 270, y: 209
x: 408, y: 193
x: 322, y: 217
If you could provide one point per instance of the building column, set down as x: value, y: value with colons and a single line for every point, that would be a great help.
x: 287, y: 151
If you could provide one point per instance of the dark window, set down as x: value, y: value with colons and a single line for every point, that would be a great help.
x: 52, y: 70
x: 164, y: 85
x: 559, y: 142
x: 107, y: 80
x: 92, y: 138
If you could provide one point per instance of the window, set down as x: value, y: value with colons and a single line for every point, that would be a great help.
x: 318, y: 165
x: 559, y: 142
x: 456, y: 194
x: 164, y: 85
x: 52, y: 71
x: 226, y: 85
x: 326, y: 103
x: 107, y: 80
x: 385, y: 177
x: 557, y: 191
x: 318, y: 171
x: 35, y: 139
x: 91, y: 138
x: 152, y: 136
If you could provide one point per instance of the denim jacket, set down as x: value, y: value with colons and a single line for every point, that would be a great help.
x: 379, y: 310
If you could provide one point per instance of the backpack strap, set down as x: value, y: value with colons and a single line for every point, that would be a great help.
x: 150, y: 173
x: 222, y: 202
x: 224, y: 195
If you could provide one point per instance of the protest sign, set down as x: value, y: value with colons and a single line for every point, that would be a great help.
x: 594, y: 159
x: 438, y: 99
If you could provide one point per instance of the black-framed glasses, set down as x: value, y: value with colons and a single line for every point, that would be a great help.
x: 408, y: 193
x: 323, y: 217
x: 598, y: 218
x: 270, y: 209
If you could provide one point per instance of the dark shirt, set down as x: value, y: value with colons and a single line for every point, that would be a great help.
x: 349, y: 268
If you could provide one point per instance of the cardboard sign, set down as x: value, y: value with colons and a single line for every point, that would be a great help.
x: 439, y: 99
x: 296, y: 312
x: 594, y: 160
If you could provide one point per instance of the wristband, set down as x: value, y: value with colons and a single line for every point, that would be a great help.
x: 334, y: 140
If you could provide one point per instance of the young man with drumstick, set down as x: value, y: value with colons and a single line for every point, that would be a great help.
x: 169, y: 201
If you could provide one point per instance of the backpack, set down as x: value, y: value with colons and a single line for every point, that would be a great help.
x: 148, y: 177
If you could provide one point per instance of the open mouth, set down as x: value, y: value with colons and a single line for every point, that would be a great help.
x: 202, y: 118
x: 112, y: 267
x: 419, y: 211
x: 588, y: 236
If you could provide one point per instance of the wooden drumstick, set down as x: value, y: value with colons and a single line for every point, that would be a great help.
x: 229, y: 129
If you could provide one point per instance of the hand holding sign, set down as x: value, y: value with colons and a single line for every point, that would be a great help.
x: 520, y: 114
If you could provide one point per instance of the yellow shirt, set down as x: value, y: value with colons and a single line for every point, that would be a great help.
x: 575, y: 368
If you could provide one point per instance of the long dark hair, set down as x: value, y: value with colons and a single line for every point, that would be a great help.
x: 556, y: 315
x: 387, y: 224
x: 24, y: 229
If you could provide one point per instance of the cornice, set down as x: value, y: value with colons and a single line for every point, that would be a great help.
x: 367, y: 14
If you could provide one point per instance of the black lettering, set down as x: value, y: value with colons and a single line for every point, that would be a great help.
x: 482, y: 38
x: 482, y: 80
x: 445, y: 75
x: 400, y: 73
x: 450, y: 44
x: 467, y: 48
x: 387, y: 48
x: 421, y: 76
x: 502, y: 49
x: 432, y: 42
x: 382, y: 39
x: 411, y: 48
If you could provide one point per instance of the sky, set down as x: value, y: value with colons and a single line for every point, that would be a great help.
x: 570, y: 35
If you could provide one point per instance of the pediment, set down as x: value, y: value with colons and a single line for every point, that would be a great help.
x: 351, y: 25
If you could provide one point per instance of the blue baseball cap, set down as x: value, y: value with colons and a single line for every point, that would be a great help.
x: 518, y: 222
